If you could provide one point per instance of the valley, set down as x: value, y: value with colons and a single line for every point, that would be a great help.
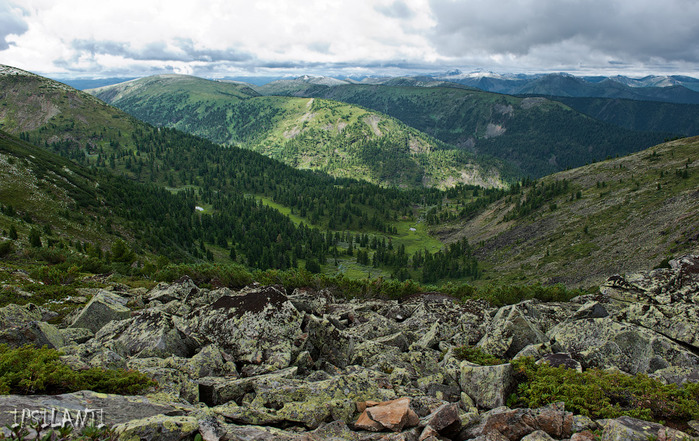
x: 218, y: 263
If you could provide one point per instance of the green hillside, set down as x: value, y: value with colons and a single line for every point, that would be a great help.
x: 337, y: 138
x: 580, y: 226
x: 682, y: 119
x: 538, y: 135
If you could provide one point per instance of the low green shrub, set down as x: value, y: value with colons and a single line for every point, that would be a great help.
x: 603, y: 394
x: 29, y: 370
x: 476, y: 355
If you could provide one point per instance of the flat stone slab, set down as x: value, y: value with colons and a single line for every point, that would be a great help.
x: 81, y: 406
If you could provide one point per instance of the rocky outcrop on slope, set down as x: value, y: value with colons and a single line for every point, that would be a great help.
x: 263, y: 363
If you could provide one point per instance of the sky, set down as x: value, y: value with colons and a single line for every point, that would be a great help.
x: 229, y: 38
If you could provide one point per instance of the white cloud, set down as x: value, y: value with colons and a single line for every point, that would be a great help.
x: 228, y: 37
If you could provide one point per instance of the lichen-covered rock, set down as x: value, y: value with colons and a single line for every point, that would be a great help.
x: 36, y: 333
x: 678, y: 321
x: 114, y: 409
x: 151, y: 333
x: 165, y: 293
x: 311, y: 301
x: 631, y: 429
x: 17, y: 315
x: 511, y: 330
x: 538, y: 435
x: 256, y: 328
x: 104, y: 307
x: 605, y: 343
x: 210, y: 361
x: 158, y: 427
x: 76, y: 335
x: 271, y: 398
x: 488, y: 386
x: 321, y: 331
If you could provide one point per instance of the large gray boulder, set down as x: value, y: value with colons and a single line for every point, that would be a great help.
x: 605, y: 343
x: 511, y: 330
x: 104, y: 307
x: 112, y: 409
x: 488, y: 386
x: 150, y: 333
x: 36, y: 333
x: 259, y: 328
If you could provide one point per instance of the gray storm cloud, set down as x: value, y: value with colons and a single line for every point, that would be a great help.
x: 11, y: 22
x: 633, y: 30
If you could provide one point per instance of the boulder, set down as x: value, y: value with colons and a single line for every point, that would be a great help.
x: 158, y: 427
x: 391, y: 415
x: 631, y: 429
x: 270, y: 398
x: 488, y: 386
x: 113, y: 409
x: 151, y: 333
x: 12, y: 315
x: 165, y: 293
x: 36, y: 333
x: 318, y: 333
x: 102, y: 308
x: 678, y: 321
x: 515, y: 424
x: 257, y: 328
x: 511, y: 330
x: 537, y: 435
x: 76, y: 335
x: 605, y: 343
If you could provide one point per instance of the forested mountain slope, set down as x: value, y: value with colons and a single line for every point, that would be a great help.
x: 538, y: 135
x: 582, y: 225
x: 338, y: 138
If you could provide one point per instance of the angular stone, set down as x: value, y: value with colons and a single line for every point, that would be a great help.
x: 102, y: 308
x: 36, y: 333
x: 605, y: 343
x: 631, y: 429
x: 15, y: 315
x: 511, y: 330
x: 258, y: 328
x: 537, y: 435
x: 488, y: 386
x: 392, y: 415
x: 76, y: 335
x: 447, y: 416
x: 158, y: 427
x: 115, y: 409
x: 151, y: 333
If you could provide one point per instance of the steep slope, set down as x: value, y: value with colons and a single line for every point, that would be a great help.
x: 536, y: 134
x: 583, y: 225
x: 58, y: 115
x: 70, y: 205
x: 337, y: 138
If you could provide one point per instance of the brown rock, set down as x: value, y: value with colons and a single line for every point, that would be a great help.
x: 554, y: 420
x: 362, y: 405
x: 392, y: 415
x: 366, y: 423
x: 585, y: 435
x: 428, y: 433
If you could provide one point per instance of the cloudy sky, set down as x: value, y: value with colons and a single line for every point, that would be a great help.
x: 217, y: 38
